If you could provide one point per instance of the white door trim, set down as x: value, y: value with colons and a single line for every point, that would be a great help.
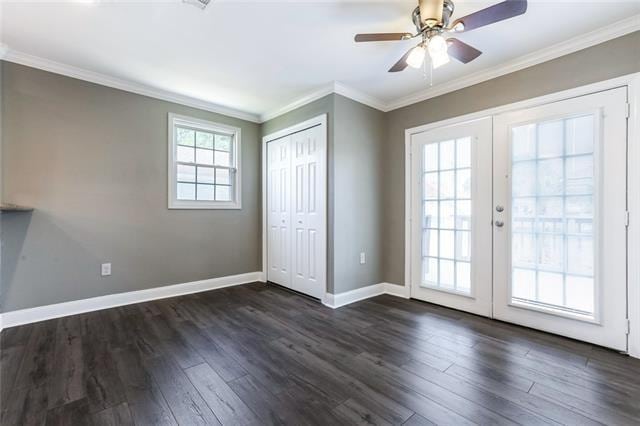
x: 632, y: 82
x: 320, y: 120
x: 625, y: 80
x: 633, y: 206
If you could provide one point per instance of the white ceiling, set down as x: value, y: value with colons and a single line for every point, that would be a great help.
x: 257, y: 56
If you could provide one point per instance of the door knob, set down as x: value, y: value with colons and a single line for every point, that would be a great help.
x: 499, y: 223
x: 499, y: 208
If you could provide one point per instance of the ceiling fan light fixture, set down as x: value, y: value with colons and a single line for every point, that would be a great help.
x: 437, y: 49
x: 439, y: 60
x: 432, y: 19
x: 437, y: 45
x: 416, y: 57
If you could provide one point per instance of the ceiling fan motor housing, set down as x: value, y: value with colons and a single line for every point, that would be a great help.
x: 447, y: 11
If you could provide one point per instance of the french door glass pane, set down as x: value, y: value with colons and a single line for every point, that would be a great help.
x: 446, y: 235
x: 552, y: 244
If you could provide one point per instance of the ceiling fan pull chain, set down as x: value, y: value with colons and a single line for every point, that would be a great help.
x: 424, y: 69
x: 430, y: 72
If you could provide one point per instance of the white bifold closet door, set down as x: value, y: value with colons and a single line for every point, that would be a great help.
x: 296, y: 217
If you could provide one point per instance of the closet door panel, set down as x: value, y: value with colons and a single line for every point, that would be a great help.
x: 309, y: 212
x: 279, y: 212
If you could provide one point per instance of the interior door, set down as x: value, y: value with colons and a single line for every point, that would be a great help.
x: 279, y: 211
x: 296, y: 206
x: 308, y: 212
x: 451, y: 216
x: 559, y: 218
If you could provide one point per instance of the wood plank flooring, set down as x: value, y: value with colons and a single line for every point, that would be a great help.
x: 257, y: 354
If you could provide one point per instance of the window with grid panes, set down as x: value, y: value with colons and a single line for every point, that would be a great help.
x: 446, y: 239
x: 203, y: 164
x: 553, y: 220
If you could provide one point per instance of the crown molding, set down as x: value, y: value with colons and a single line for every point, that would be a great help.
x: 334, y: 87
x: 22, y: 58
x: 601, y: 35
x: 358, y: 96
x: 32, y: 61
x: 304, y: 100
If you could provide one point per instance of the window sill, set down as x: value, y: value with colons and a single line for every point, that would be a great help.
x: 6, y: 207
x: 200, y: 205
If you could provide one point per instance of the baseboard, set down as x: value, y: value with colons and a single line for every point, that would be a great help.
x: 397, y: 290
x: 341, y: 299
x: 41, y: 313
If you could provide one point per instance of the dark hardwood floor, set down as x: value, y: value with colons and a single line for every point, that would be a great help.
x: 257, y: 354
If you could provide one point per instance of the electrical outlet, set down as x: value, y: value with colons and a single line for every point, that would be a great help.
x: 105, y: 269
x: 363, y: 258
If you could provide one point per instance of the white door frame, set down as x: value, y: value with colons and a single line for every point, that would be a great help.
x: 632, y: 83
x: 320, y: 120
x: 479, y: 299
x: 606, y: 325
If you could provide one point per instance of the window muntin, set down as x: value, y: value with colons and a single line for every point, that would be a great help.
x: 446, y: 228
x: 553, y: 219
x: 204, y: 167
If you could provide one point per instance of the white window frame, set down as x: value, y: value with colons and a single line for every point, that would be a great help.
x: 198, y: 124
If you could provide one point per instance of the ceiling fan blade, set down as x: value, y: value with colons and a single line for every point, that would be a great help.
x: 431, y: 11
x: 496, y: 13
x: 382, y: 37
x: 402, y: 62
x: 462, y: 51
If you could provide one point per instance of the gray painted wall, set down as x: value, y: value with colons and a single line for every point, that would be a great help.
x: 358, y: 150
x: 608, y: 60
x: 93, y: 162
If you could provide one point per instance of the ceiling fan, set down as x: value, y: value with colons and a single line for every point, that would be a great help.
x: 432, y: 21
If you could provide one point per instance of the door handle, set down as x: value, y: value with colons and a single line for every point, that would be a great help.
x: 499, y: 208
x: 499, y: 223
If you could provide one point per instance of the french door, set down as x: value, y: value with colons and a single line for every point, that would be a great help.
x: 559, y: 214
x: 451, y: 216
x: 296, y: 211
x: 535, y: 209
